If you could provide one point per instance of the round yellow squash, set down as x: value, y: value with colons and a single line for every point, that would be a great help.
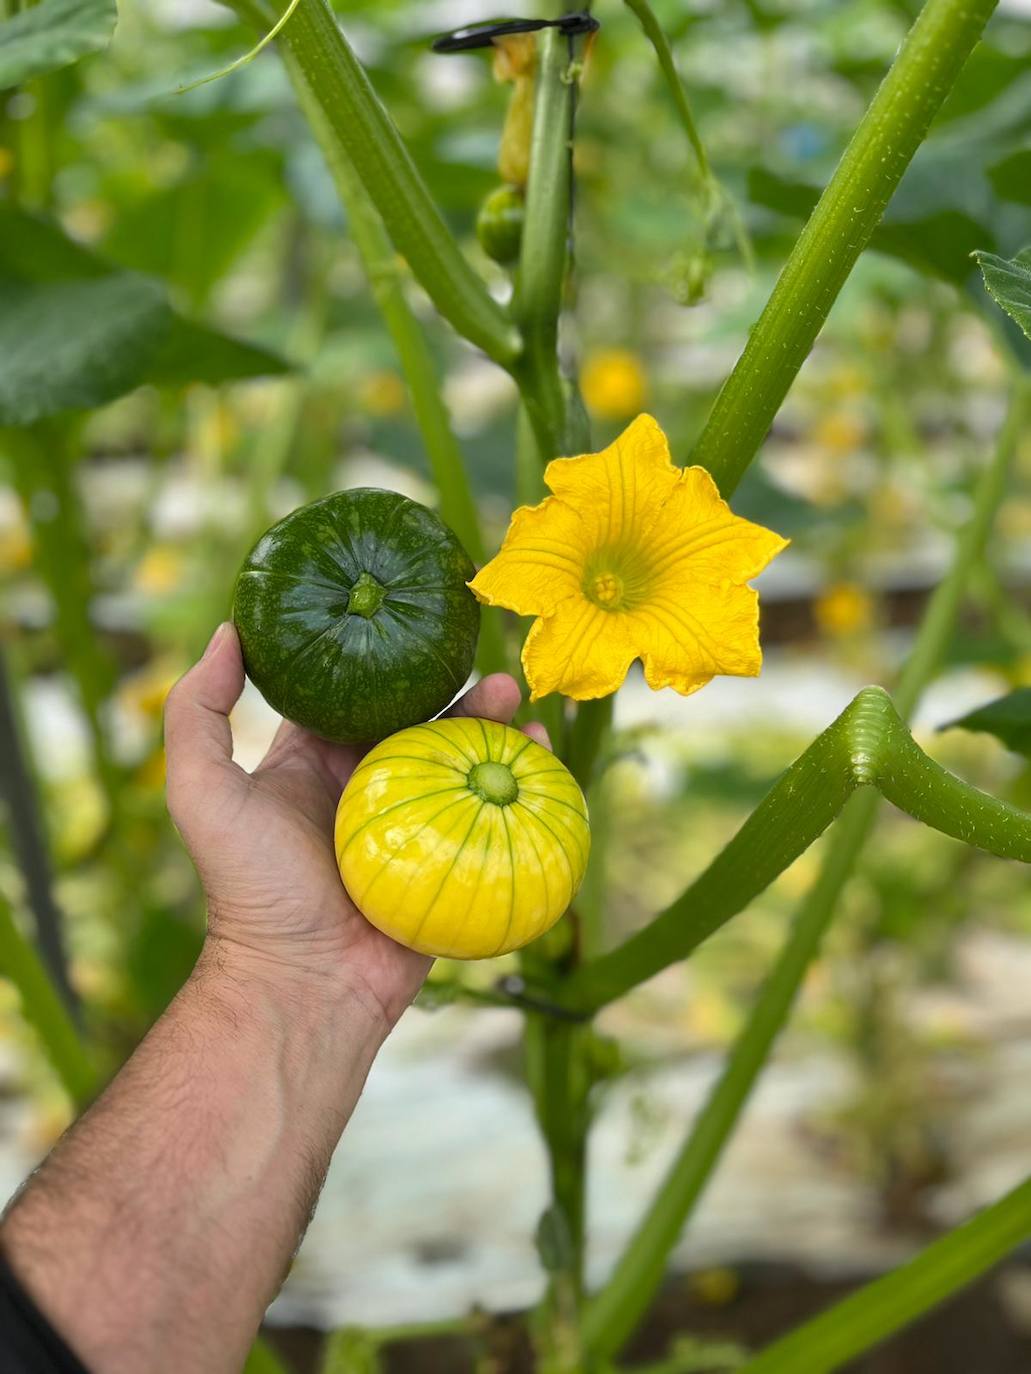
x: 462, y: 838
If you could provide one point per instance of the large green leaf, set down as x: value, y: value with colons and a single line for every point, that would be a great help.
x: 1011, y: 177
x: 72, y: 345
x: 1008, y: 718
x: 1008, y: 281
x: 191, y: 233
x: 77, y: 332
x: 53, y: 34
x: 192, y: 352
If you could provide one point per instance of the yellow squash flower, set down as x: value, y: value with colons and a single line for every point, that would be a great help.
x: 631, y: 557
x: 613, y: 383
x: 844, y: 609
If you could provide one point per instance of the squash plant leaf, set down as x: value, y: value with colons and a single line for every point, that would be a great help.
x: 1008, y: 719
x: 53, y: 34
x: 1011, y: 177
x: 72, y: 345
x: 192, y: 352
x: 77, y: 332
x: 1008, y: 282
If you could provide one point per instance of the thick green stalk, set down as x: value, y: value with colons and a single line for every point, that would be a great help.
x: 837, y: 232
x: 385, y: 275
x: 590, y: 729
x: 529, y: 468
x: 889, y: 1303
x: 794, y: 813
x: 868, y: 745
x: 369, y: 139
x: 44, y: 1011
x: 614, y: 1313
x: 556, y: 1065
x: 557, y: 421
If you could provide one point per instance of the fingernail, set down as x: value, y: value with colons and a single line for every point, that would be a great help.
x: 216, y: 639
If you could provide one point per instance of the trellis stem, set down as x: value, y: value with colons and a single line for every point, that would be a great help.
x: 838, y: 230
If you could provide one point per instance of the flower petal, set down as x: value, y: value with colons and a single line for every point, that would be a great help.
x: 698, y: 538
x: 618, y: 492
x: 581, y: 651
x: 540, y: 563
x: 685, y: 642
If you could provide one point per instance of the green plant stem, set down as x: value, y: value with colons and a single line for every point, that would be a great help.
x: 262, y: 1359
x: 44, y: 1011
x: 557, y: 1068
x: 558, y: 425
x: 591, y: 726
x: 530, y: 486
x: 273, y: 446
x: 370, y: 141
x: 385, y: 276
x: 44, y: 460
x: 34, y: 162
x: 20, y: 795
x: 868, y: 745
x: 889, y: 1303
x: 837, y: 232
x: 614, y: 1313
x: 656, y: 36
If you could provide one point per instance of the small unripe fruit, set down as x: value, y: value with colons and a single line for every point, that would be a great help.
x: 499, y: 225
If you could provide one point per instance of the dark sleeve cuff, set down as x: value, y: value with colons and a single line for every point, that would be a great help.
x: 28, y: 1343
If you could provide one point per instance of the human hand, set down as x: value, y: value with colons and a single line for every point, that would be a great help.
x: 262, y: 842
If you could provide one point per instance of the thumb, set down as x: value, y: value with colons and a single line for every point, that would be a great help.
x: 198, y: 740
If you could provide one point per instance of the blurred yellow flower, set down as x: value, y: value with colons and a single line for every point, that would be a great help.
x: 844, y: 609
x: 6, y: 163
x: 15, y: 548
x: 80, y: 811
x: 715, y: 1287
x: 160, y: 570
x: 382, y: 393
x: 631, y: 557
x: 150, y: 775
x: 45, y: 1124
x: 218, y: 430
x: 839, y: 431
x: 847, y: 380
x: 613, y: 383
x: 144, y: 692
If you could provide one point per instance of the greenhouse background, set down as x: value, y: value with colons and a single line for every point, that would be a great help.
x: 896, y: 1103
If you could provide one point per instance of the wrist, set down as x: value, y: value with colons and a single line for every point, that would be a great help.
x: 255, y: 984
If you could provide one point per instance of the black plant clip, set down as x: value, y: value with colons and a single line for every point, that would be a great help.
x: 483, y: 35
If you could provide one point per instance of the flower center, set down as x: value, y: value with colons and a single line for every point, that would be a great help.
x: 493, y: 782
x: 617, y: 577
x: 606, y: 590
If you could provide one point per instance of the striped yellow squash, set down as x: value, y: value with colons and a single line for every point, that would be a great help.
x: 462, y: 838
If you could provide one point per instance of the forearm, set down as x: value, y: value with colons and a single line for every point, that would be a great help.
x: 160, y: 1228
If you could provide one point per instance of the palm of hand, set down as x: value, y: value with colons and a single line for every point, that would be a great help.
x: 263, y: 842
x: 286, y: 893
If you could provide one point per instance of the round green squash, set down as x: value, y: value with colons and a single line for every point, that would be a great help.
x: 354, y: 615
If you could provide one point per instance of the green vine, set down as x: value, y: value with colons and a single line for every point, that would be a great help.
x: 838, y: 230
